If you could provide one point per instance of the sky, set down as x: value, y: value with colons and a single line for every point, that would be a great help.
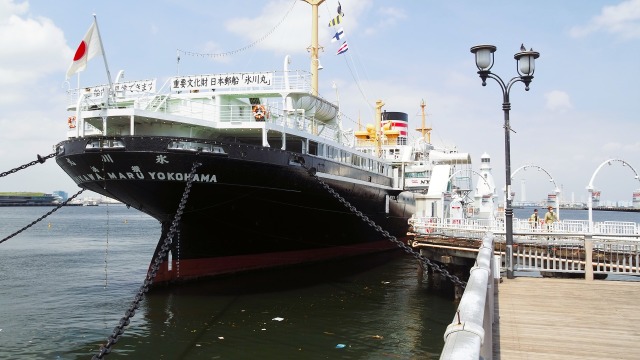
x: 581, y: 109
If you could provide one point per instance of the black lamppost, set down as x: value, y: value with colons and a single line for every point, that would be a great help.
x: 525, y: 65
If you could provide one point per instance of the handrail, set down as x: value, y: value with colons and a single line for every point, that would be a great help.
x: 427, y: 225
x: 469, y: 336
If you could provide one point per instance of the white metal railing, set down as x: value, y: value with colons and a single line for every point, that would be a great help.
x: 580, y: 254
x: 470, y: 334
x: 565, y: 246
x: 426, y: 225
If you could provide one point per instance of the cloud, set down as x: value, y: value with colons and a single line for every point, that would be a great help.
x: 612, y: 146
x: 32, y: 48
x: 391, y: 15
x: 269, y: 31
x: 558, y: 101
x: 622, y: 20
x: 8, y: 8
x: 387, y: 16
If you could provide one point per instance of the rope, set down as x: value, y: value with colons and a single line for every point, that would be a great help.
x: 151, y: 274
x: 264, y: 37
x: 40, y: 160
x: 424, y: 260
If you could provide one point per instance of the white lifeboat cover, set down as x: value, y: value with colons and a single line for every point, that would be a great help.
x: 449, y: 158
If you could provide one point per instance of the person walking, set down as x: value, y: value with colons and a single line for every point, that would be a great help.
x: 550, y: 217
x: 533, y: 219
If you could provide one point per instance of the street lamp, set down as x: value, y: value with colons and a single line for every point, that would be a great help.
x: 525, y: 65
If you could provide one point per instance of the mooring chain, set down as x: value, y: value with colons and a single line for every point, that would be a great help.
x: 42, y: 217
x: 151, y: 274
x: 40, y: 160
x: 385, y: 233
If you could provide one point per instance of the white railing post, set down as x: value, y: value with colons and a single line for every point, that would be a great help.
x: 588, y: 260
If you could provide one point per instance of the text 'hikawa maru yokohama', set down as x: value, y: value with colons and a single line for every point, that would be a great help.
x: 150, y: 175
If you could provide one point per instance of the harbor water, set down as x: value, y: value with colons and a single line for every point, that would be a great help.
x: 67, y: 281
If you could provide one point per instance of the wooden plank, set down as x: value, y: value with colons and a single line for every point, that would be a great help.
x: 549, y: 318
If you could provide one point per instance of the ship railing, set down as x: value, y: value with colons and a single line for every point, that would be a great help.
x: 385, y: 142
x: 206, y: 110
x: 244, y: 113
x: 281, y: 82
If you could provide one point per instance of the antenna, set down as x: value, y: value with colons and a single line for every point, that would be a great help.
x: 424, y: 129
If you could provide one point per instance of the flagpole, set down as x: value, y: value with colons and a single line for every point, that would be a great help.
x: 104, y: 56
x: 314, y: 44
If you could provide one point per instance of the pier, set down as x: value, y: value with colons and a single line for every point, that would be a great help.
x: 555, y: 307
x: 550, y: 318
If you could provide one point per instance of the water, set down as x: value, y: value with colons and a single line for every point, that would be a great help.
x: 66, y: 282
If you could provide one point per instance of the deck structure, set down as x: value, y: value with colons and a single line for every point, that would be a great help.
x: 550, y: 318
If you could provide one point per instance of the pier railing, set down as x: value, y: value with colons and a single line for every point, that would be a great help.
x: 564, y: 247
x: 470, y: 334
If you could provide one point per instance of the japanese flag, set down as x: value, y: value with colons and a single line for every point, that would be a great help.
x: 89, y: 47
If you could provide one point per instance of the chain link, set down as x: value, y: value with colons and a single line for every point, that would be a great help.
x: 40, y: 160
x: 42, y: 217
x: 407, y: 249
x: 151, y: 274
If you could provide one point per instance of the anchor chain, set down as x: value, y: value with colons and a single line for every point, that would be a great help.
x: 151, y: 274
x: 40, y: 160
x: 378, y: 228
x: 42, y: 217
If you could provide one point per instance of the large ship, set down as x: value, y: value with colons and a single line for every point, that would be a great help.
x: 263, y: 146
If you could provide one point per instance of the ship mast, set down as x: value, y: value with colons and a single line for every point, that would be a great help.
x: 314, y: 44
x: 424, y: 129
x: 379, y: 105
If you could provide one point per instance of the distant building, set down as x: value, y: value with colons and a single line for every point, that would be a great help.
x: 27, y: 199
x: 62, y: 195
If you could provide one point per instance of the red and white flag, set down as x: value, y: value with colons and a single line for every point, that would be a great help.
x: 89, y: 47
x: 343, y: 48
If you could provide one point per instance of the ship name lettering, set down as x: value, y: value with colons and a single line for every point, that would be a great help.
x: 182, y: 177
x: 205, y: 178
x: 121, y: 176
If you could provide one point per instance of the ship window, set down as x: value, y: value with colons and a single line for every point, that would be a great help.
x: 313, y: 148
x: 416, y: 174
x: 195, y: 146
x: 105, y: 144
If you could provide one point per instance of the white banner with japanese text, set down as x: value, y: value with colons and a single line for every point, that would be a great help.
x: 229, y: 81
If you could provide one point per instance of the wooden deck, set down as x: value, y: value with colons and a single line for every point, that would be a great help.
x: 548, y: 318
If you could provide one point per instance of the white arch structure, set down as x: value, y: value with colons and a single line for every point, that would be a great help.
x: 556, y: 189
x: 590, y: 186
x: 473, y: 171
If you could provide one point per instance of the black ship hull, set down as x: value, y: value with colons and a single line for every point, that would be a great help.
x: 249, y: 207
